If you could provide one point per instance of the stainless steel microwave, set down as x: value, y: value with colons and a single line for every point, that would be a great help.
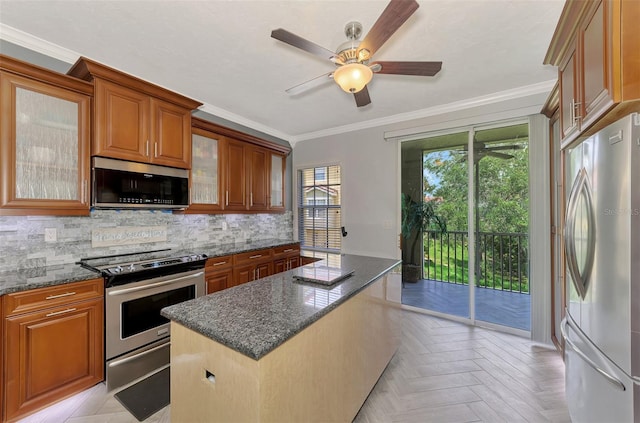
x: 122, y: 184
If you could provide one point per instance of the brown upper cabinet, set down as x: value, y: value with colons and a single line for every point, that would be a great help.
x: 276, y: 190
x: 44, y: 141
x: 236, y: 172
x: 595, y: 47
x: 135, y: 120
x: 207, y: 170
x: 236, y: 176
x: 258, y: 178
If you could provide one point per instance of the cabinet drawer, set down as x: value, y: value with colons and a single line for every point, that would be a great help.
x: 253, y: 256
x: 287, y: 250
x: 34, y: 299
x: 218, y: 263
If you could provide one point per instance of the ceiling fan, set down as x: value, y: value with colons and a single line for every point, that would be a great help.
x: 353, y: 57
x: 481, y: 150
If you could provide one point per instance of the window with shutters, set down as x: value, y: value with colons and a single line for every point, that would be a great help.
x: 319, y: 198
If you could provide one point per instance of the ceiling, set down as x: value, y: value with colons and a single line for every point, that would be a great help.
x: 221, y: 53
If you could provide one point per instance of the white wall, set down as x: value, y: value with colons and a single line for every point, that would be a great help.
x: 371, y: 180
x: 371, y: 170
x: 369, y: 187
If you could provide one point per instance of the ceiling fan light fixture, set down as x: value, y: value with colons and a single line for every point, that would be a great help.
x: 353, y: 77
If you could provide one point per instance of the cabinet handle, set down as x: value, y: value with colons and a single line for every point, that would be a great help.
x: 571, y: 110
x: 251, y: 201
x: 66, y: 294
x: 147, y: 148
x: 227, y: 201
x: 55, y: 313
x: 155, y: 149
x: 86, y: 191
x: 256, y: 256
x: 220, y: 263
x: 288, y: 250
x: 576, y: 112
x: 574, y: 115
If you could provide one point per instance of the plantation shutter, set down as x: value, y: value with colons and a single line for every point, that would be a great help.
x: 319, y: 216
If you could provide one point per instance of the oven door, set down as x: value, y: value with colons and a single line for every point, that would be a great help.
x: 132, y: 311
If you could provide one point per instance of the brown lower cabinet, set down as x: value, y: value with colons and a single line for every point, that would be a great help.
x: 54, y: 349
x: 286, y: 257
x: 308, y: 260
x: 252, y: 265
x: 227, y: 271
x: 219, y: 273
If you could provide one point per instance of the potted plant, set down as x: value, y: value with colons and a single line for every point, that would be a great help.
x: 416, y: 218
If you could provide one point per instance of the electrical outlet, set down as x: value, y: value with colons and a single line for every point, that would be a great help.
x: 224, y: 225
x: 50, y: 235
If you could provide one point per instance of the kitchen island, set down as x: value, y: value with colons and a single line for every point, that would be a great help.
x: 279, y: 349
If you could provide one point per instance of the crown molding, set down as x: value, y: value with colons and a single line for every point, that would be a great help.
x: 47, y: 48
x: 36, y: 44
x: 225, y: 114
x: 498, y: 97
x: 39, y: 45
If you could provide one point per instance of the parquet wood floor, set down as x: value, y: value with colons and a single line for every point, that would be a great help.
x: 444, y: 371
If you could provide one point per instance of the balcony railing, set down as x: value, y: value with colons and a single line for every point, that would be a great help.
x: 502, y: 259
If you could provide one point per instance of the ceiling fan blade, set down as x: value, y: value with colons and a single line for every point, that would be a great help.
x: 306, y: 45
x: 408, y: 68
x: 499, y: 155
x: 504, y: 147
x: 362, y: 97
x: 312, y: 83
x: 392, y: 18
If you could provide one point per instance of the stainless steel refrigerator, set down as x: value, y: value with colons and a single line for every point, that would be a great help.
x: 602, y: 245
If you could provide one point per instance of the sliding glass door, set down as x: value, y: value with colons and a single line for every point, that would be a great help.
x: 469, y: 256
x: 435, y: 256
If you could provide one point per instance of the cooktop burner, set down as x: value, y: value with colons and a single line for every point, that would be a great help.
x: 124, y: 268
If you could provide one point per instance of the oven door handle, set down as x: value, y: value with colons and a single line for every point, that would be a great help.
x: 153, y: 285
x: 138, y: 355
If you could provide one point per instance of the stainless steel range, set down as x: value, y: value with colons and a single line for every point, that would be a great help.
x: 137, y: 287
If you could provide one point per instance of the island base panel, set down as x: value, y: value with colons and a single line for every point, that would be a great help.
x: 323, y: 373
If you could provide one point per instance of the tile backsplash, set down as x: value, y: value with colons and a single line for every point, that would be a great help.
x: 22, y: 238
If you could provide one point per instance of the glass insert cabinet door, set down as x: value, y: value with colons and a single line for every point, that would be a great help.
x: 44, y: 147
x: 277, y: 181
x: 205, y: 170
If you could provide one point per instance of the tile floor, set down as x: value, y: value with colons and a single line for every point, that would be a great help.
x: 444, y: 371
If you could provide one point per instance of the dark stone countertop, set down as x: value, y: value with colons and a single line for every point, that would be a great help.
x: 39, y: 277
x: 257, y: 317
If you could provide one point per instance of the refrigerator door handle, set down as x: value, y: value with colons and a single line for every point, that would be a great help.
x: 581, y: 187
x: 614, y: 380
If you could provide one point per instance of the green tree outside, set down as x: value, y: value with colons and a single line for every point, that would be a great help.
x: 503, y: 207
